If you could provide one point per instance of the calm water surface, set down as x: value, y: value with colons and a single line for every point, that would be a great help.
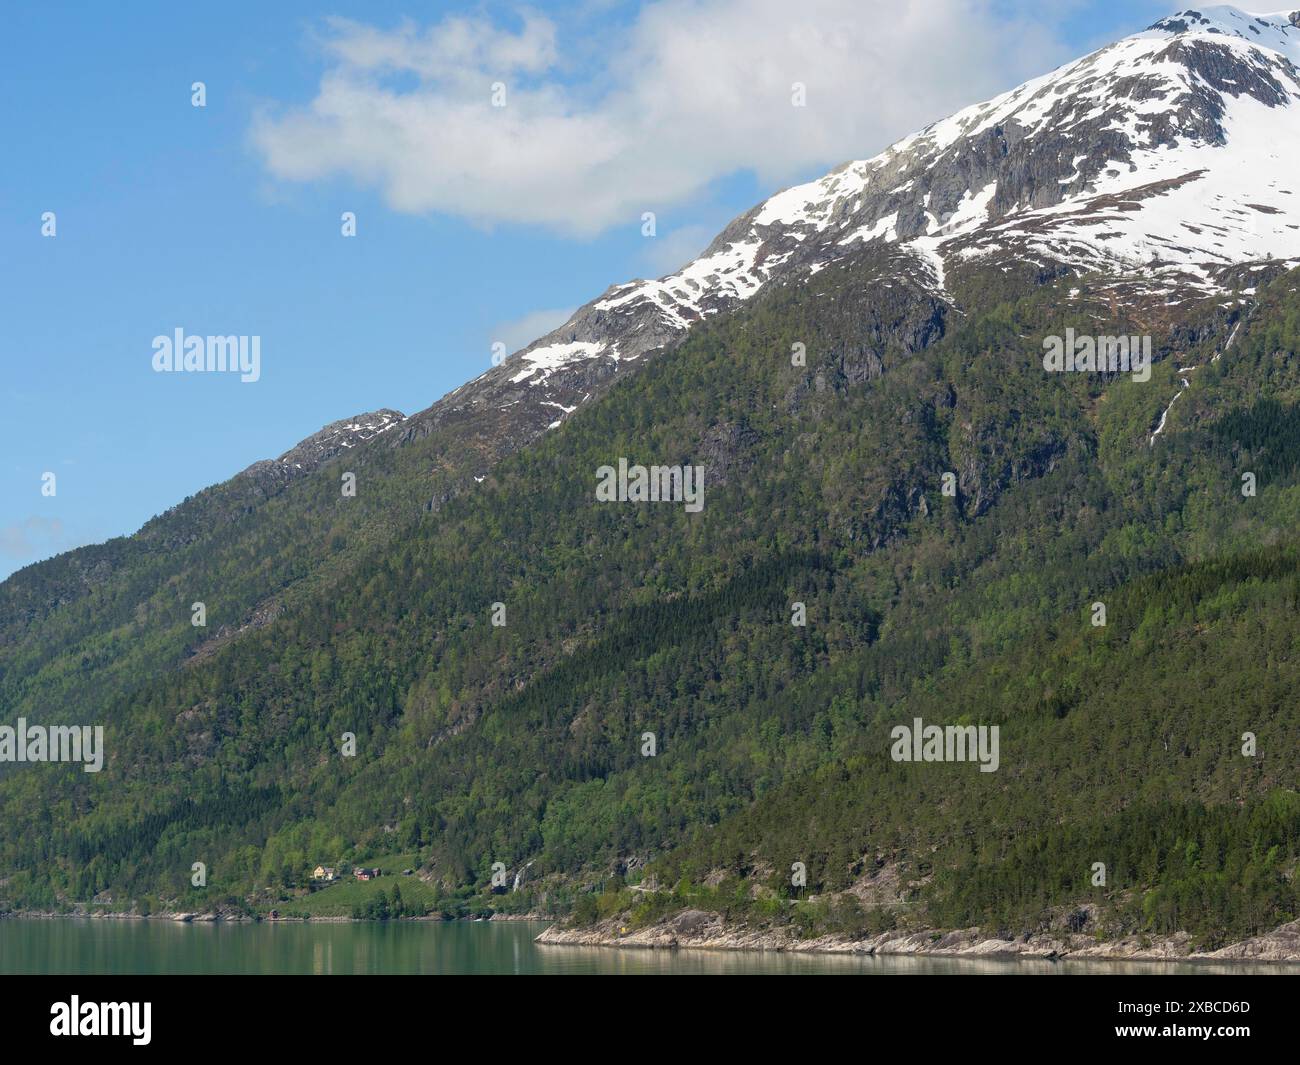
x: 100, y: 946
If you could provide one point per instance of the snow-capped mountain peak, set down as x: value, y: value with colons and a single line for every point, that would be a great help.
x: 1279, y: 30
x: 1164, y: 163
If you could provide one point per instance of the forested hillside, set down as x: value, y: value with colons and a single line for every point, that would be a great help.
x: 523, y: 743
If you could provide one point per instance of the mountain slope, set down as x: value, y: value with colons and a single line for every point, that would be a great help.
x: 123, y: 608
x: 1168, y: 157
x: 1163, y: 163
x: 523, y: 743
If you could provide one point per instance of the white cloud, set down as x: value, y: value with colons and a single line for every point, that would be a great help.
x: 692, y: 91
x: 32, y: 536
x: 523, y: 331
x: 668, y: 253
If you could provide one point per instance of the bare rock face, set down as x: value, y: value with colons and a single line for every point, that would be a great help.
x: 695, y: 922
x: 1282, y: 944
x: 698, y: 929
x: 320, y: 447
x: 725, y: 451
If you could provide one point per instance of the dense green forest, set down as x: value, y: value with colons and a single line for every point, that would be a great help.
x: 524, y: 744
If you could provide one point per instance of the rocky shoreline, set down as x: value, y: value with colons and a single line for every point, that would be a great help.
x: 697, y: 930
x: 700, y: 930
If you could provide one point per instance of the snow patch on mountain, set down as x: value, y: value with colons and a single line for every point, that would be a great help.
x: 541, y: 362
x: 1157, y: 161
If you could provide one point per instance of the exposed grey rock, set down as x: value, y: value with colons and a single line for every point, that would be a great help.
x: 701, y: 930
x: 320, y: 447
x: 1281, y: 944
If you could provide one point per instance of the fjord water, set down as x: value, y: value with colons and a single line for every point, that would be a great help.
x: 107, y: 947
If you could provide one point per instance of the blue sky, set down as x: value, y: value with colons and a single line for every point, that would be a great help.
x: 226, y: 219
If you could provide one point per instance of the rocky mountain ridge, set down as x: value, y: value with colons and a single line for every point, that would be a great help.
x: 327, y: 443
x: 1164, y: 163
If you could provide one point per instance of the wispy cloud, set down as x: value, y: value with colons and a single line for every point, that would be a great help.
x: 675, y: 249
x: 690, y: 92
x: 521, y: 332
x: 32, y: 537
